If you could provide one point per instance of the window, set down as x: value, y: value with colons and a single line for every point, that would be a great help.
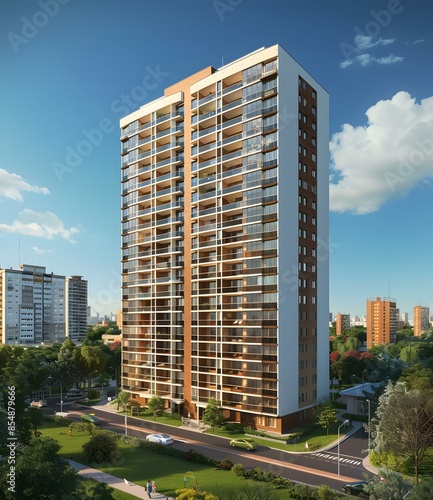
x: 313, y: 172
x: 313, y: 94
x: 313, y: 110
x: 313, y: 125
x: 313, y: 157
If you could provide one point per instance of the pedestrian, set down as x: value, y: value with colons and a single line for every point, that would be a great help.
x: 70, y: 431
x: 153, y: 487
x: 149, y: 488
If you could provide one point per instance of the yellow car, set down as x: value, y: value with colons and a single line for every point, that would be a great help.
x: 245, y: 443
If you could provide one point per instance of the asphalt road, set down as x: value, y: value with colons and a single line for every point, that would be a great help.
x: 315, y: 468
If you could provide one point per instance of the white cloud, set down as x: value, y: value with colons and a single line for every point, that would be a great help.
x: 367, y: 59
x: 363, y: 42
x: 39, y: 251
x: 384, y: 159
x: 12, y: 186
x: 356, y: 54
x: 39, y: 225
x: 391, y: 59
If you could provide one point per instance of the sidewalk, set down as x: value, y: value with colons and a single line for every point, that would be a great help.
x: 115, y: 482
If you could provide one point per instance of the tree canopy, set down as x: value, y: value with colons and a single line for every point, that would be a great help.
x: 403, y: 425
x: 212, y: 414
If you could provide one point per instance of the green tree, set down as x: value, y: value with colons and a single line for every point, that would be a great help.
x: 101, y: 447
x: 403, y: 425
x: 122, y: 399
x: 326, y: 416
x: 387, y: 484
x: 156, y: 405
x: 409, y: 354
x: 40, y: 472
x: 418, y: 377
x: 213, y: 415
x: 423, y: 490
x: 90, y: 361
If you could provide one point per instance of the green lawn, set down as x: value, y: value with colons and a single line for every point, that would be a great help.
x: 316, y: 438
x: 138, y: 465
x: 167, y: 420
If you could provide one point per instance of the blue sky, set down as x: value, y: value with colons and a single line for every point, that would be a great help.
x: 70, y: 69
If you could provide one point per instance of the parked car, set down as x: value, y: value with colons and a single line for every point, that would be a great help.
x: 160, y: 438
x: 356, y: 489
x: 39, y: 404
x: 245, y: 443
x: 90, y: 418
x: 74, y: 393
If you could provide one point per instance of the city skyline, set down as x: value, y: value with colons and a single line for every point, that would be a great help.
x: 65, y: 86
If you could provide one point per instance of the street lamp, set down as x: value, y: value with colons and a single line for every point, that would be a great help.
x: 61, y: 392
x: 365, y: 371
x: 369, y: 418
x: 338, y: 445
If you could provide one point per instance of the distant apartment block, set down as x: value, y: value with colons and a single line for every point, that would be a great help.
x: 358, y: 321
x: 34, y: 306
x: 421, y: 319
x: 405, y: 318
x: 224, y: 203
x: 342, y: 323
x: 76, y: 308
x: 382, y: 321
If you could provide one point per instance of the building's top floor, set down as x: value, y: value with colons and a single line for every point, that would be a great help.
x: 209, y: 76
x: 381, y: 299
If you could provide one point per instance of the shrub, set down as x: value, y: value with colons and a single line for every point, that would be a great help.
x: 62, y: 421
x: 102, y: 447
x: 94, y: 394
x: 238, y: 470
x: 225, y: 464
x: 194, y: 456
x: 234, y: 427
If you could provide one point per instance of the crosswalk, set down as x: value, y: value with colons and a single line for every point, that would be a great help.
x: 343, y: 460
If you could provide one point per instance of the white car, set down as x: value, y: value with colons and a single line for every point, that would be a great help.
x: 39, y: 404
x: 160, y: 438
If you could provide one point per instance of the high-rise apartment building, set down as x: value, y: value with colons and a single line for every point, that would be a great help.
x: 342, y: 323
x: 421, y: 319
x: 76, y: 310
x: 37, y: 307
x: 382, y: 321
x: 224, y: 230
x: 32, y: 306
